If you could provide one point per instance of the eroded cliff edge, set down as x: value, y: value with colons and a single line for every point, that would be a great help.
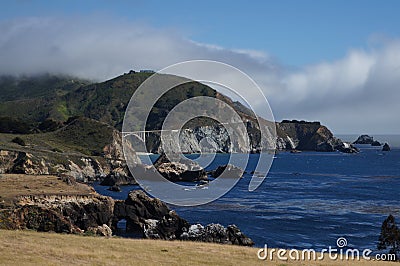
x: 62, y: 205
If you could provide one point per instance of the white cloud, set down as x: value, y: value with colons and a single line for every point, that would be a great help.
x: 357, y: 93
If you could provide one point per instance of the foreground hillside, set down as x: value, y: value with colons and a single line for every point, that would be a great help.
x: 32, y: 248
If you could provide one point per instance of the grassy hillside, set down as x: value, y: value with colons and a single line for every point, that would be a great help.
x: 79, y: 136
x: 29, y: 87
x: 33, y: 100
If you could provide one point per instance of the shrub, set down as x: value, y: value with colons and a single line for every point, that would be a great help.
x: 19, y: 141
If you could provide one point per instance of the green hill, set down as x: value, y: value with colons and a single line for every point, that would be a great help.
x: 33, y: 100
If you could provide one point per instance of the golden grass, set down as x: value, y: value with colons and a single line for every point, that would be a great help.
x: 33, y: 248
x: 13, y: 185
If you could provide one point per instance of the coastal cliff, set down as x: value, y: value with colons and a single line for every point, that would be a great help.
x: 62, y: 205
x: 84, y: 149
x: 290, y: 135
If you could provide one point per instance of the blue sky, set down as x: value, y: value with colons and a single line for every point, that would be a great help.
x: 294, y: 32
x: 337, y: 62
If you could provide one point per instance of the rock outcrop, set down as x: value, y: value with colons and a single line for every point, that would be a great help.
x: 110, y: 165
x: 179, y: 169
x: 116, y: 179
x: 153, y: 219
x: 229, y: 171
x: 63, y: 205
x: 59, y: 213
x: 216, y: 233
x: 386, y: 147
x: 364, y: 139
x: 376, y: 143
x: 309, y: 136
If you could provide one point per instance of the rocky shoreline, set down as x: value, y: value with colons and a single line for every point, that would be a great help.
x: 83, y: 211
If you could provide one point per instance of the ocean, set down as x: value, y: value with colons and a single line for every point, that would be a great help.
x: 308, y: 200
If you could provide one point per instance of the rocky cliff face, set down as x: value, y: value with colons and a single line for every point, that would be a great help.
x: 80, y: 210
x: 306, y: 136
x: 208, y: 139
x: 83, y: 168
x: 309, y: 136
x: 60, y: 214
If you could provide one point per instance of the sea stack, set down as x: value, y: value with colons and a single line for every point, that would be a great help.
x: 364, y: 139
x: 386, y: 147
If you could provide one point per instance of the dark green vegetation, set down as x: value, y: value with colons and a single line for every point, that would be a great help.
x: 39, y: 104
x: 78, y: 136
x: 34, y: 99
x: 390, y: 237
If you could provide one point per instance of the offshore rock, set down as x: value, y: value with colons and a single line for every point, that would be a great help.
x: 386, y: 147
x: 228, y: 170
x: 364, y: 139
x: 179, y: 169
x: 376, y: 143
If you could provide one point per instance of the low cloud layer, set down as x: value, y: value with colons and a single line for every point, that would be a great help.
x: 355, y: 94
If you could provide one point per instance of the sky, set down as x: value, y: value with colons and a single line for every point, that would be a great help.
x: 333, y: 61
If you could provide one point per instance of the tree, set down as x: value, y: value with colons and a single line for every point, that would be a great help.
x: 390, y: 236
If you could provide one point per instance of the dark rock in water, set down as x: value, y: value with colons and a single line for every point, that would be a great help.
x: 295, y: 151
x: 119, y: 180
x: 179, y: 169
x: 114, y: 188
x: 348, y: 149
x: 364, y: 139
x: 386, y: 147
x: 345, y: 147
x: 376, y: 143
x: 305, y: 136
x: 228, y: 170
x: 325, y: 147
x: 216, y: 233
x: 169, y: 227
x: 152, y: 219
x: 136, y: 209
x: 236, y: 237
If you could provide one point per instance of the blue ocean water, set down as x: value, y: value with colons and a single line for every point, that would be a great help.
x: 308, y: 200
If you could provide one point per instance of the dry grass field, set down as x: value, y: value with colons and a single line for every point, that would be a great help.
x: 33, y: 248
x: 14, y: 185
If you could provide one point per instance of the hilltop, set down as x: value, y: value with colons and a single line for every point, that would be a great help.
x: 46, y: 103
